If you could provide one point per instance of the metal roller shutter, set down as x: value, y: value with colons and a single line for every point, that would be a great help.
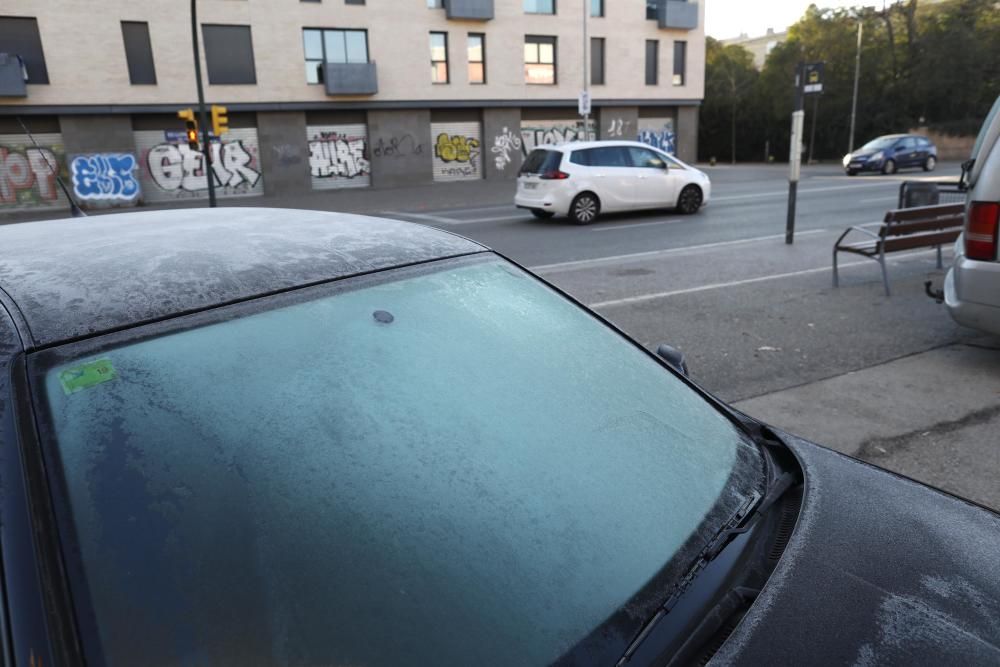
x: 538, y: 132
x: 26, y: 178
x: 338, y: 156
x: 169, y: 170
x: 659, y: 133
x: 458, y: 154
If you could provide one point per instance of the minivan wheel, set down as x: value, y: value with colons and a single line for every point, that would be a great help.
x: 889, y: 167
x: 584, y: 208
x: 690, y: 199
x: 930, y: 163
x: 542, y: 213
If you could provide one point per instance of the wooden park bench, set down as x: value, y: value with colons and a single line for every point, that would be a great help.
x: 903, y: 229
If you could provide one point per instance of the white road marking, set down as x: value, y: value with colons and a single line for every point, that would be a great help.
x: 783, y: 193
x: 894, y: 197
x: 481, y: 208
x: 611, y: 228
x: 497, y: 218
x: 597, y: 261
x: 423, y: 216
x: 737, y: 283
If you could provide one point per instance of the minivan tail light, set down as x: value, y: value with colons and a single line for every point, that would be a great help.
x: 554, y: 175
x: 981, y: 235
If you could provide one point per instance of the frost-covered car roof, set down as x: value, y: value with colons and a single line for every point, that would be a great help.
x: 84, y: 276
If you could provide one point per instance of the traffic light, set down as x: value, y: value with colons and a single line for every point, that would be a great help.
x: 190, y: 126
x: 220, y: 121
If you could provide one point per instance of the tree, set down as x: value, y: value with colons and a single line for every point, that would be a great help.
x: 729, y: 79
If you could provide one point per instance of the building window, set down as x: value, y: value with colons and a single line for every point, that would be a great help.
x: 435, y: 4
x: 652, y: 7
x: 652, y: 62
x: 354, y: 2
x: 680, y: 62
x: 439, y: 57
x: 540, y: 60
x: 597, y: 7
x: 477, y: 57
x: 332, y: 46
x: 138, y: 53
x: 596, y: 61
x: 19, y: 36
x: 229, y: 54
x: 540, y: 6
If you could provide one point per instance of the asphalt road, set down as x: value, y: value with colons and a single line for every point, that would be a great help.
x: 752, y: 314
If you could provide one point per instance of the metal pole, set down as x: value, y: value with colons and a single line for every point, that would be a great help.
x: 812, y: 132
x: 202, y: 115
x: 795, y: 153
x: 586, y: 68
x: 854, y: 101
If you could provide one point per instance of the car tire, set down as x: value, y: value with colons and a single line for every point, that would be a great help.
x: 889, y: 167
x: 585, y: 208
x: 852, y: 172
x: 930, y: 163
x: 690, y: 199
x: 541, y: 213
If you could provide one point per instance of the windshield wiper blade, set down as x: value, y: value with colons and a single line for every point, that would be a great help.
x: 743, y: 520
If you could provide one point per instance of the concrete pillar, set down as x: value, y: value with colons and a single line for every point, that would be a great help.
x: 284, y: 152
x: 400, y: 147
x: 502, y: 154
x: 618, y: 123
x: 687, y: 133
x: 107, y: 135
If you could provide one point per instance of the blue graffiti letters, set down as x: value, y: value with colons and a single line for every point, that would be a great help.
x: 105, y: 176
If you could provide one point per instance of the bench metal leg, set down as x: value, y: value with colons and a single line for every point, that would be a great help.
x: 939, y: 257
x: 885, y: 274
x: 836, y: 278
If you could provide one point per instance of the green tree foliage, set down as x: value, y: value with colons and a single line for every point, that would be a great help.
x: 935, y: 64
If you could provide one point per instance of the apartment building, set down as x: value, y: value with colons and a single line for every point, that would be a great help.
x: 327, y: 94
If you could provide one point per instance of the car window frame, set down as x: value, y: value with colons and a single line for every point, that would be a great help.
x: 646, y: 149
x: 37, y: 363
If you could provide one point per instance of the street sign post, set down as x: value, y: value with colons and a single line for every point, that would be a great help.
x: 808, y: 79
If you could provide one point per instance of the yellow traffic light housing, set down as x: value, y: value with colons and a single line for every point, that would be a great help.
x: 220, y: 121
x: 190, y: 127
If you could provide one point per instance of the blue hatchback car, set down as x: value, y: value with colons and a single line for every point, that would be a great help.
x: 892, y: 152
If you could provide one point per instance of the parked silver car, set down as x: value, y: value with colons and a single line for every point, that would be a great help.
x: 972, y: 286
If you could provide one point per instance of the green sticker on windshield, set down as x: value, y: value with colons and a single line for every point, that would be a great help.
x: 87, y: 375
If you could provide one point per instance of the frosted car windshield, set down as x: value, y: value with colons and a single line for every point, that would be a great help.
x: 450, y: 464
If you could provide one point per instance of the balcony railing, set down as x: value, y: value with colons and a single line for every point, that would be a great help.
x: 350, y: 78
x: 469, y: 10
x: 678, y: 14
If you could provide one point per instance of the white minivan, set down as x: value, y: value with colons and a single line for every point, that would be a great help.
x: 583, y: 179
x: 972, y: 285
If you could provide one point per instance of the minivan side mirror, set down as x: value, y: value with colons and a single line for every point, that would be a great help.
x: 674, y: 357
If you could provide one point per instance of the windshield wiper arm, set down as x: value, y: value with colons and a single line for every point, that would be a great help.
x: 743, y: 520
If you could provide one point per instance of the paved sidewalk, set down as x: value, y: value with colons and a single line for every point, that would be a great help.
x: 934, y: 416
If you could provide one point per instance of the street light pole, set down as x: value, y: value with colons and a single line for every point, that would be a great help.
x: 586, y: 68
x: 854, y: 100
x: 202, y: 115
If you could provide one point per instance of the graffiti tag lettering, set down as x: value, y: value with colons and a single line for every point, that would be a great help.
x: 618, y: 127
x: 662, y: 139
x: 25, y: 177
x: 456, y: 148
x: 397, y: 147
x: 561, y: 134
x: 104, y: 177
x: 177, y: 167
x: 338, y: 156
x: 503, y: 144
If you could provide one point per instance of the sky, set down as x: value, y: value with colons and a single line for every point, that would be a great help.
x: 729, y: 18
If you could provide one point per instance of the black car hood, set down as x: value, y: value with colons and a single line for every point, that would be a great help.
x: 879, y: 570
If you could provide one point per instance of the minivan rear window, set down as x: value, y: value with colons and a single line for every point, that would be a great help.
x: 541, y: 161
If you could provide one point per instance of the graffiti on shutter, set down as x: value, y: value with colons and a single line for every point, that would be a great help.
x: 537, y: 132
x: 27, y: 180
x: 169, y: 170
x: 338, y: 156
x: 659, y: 133
x: 458, y: 152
